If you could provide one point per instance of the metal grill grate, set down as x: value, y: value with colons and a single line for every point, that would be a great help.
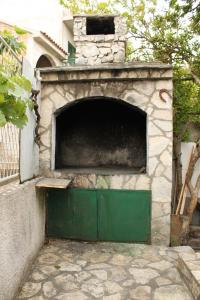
x: 9, y: 150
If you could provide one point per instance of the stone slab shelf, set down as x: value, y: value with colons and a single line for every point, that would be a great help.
x: 189, y: 268
x: 55, y: 183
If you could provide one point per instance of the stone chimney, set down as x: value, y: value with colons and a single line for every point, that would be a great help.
x: 99, y: 39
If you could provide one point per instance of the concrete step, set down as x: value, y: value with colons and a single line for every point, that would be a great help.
x: 194, y: 232
x: 189, y: 268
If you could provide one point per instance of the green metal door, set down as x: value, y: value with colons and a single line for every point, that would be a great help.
x: 72, y: 214
x: 124, y: 216
x: 106, y: 215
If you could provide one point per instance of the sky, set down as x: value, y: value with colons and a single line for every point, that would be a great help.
x: 13, y: 10
x: 36, y: 15
x: 21, y: 12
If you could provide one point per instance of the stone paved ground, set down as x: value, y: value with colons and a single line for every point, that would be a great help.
x: 69, y: 270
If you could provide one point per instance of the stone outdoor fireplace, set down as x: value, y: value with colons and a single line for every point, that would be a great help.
x: 109, y: 135
x: 107, y: 124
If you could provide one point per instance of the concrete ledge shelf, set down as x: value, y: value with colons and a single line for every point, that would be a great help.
x: 189, y: 268
x: 55, y: 183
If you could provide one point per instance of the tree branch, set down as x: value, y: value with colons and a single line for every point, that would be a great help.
x: 193, y: 190
x: 197, y: 186
x: 190, y: 187
x: 195, y: 77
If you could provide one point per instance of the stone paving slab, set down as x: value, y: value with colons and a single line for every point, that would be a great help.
x: 69, y: 270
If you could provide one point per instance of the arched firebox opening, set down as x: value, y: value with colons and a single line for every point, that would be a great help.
x: 101, y: 135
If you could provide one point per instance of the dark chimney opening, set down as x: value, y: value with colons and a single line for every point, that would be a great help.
x: 100, y: 25
x: 101, y: 134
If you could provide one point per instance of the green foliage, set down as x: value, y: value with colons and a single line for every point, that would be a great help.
x: 14, y: 91
x: 186, y: 101
x: 14, y: 88
x: 88, y: 6
x: 192, y: 9
x: 20, y: 31
x: 17, y: 46
x: 168, y: 34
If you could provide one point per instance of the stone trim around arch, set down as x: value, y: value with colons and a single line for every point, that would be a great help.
x: 73, y: 101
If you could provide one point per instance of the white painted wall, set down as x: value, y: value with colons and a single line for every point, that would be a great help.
x: 22, y: 219
x: 43, y: 15
x: 29, y: 151
x: 186, y: 149
x: 37, y: 15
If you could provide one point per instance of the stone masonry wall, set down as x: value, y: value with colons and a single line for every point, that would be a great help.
x: 98, y: 49
x: 140, y: 87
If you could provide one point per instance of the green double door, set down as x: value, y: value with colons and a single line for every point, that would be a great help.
x: 104, y: 215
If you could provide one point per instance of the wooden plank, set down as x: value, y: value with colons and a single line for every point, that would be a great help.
x: 55, y: 183
x: 186, y: 187
x: 181, y: 197
x: 183, y: 200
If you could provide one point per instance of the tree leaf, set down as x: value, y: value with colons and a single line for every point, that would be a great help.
x: 2, y: 98
x: 20, y: 31
x: 2, y: 119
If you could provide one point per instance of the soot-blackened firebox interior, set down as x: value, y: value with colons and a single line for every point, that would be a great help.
x: 101, y: 133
